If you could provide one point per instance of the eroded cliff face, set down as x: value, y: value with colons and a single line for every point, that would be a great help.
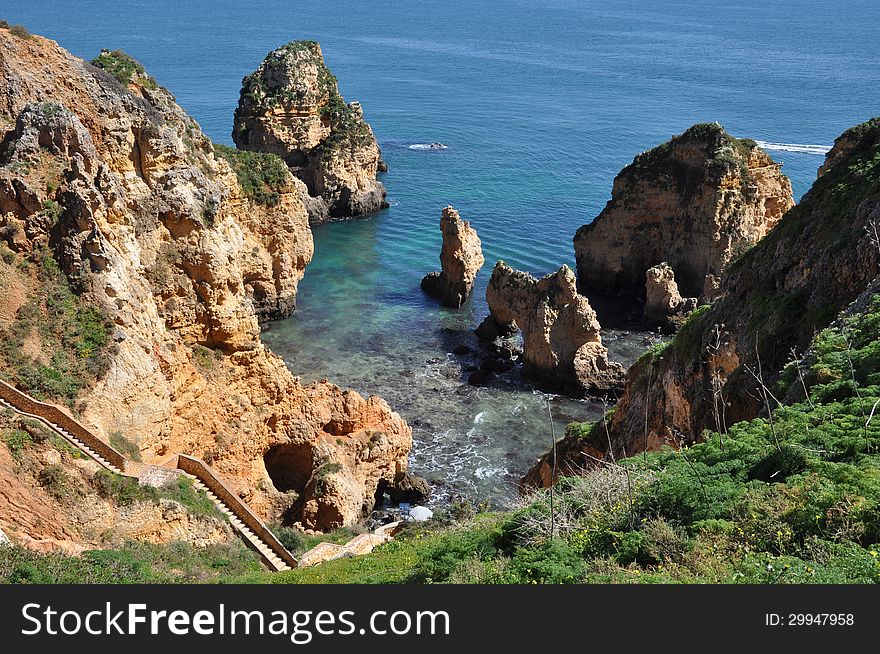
x: 694, y: 202
x: 291, y: 106
x: 793, y: 283
x: 562, y: 344
x: 461, y: 257
x: 121, y: 187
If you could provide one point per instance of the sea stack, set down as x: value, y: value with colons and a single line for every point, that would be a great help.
x: 562, y: 345
x: 663, y: 302
x: 461, y: 258
x: 695, y: 202
x: 291, y: 106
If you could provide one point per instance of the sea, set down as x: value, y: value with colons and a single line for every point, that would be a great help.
x: 538, y: 104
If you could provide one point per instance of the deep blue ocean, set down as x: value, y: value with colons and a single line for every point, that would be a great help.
x: 540, y: 105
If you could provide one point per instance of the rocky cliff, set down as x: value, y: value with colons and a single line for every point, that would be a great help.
x: 461, y: 257
x: 774, y: 298
x: 169, y: 255
x: 694, y: 202
x: 562, y: 344
x: 291, y: 106
x: 664, y: 305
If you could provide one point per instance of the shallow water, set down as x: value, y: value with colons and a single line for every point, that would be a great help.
x: 354, y: 328
x: 539, y: 104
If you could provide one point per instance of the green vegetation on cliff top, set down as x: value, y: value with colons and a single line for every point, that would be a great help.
x: 125, y: 68
x: 262, y: 176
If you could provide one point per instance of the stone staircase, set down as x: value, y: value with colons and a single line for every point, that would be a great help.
x: 255, y: 542
x: 248, y: 525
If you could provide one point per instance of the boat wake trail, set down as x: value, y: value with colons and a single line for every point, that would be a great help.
x: 427, y: 146
x: 794, y: 147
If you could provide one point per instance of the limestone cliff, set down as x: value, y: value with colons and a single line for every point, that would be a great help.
x: 562, y: 344
x: 694, y: 202
x: 461, y: 257
x: 160, y: 238
x: 291, y: 106
x: 793, y: 283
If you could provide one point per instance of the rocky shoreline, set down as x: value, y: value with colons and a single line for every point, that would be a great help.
x: 183, y: 248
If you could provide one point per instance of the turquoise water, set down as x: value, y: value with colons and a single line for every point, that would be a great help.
x: 540, y: 104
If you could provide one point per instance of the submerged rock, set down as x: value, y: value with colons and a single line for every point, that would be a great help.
x: 695, y: 202
x: 562, y: 345
x: 291, y: 106
x: 461, y: 258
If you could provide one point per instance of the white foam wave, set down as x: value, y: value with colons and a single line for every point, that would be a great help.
x: 427, y: 146
x: 487, y: 472
x: 804, y: 148
x: 480, y: 418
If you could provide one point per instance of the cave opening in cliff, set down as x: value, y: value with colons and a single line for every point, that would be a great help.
x: 289, y: 466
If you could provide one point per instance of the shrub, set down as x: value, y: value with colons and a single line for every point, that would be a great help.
x: 122, y: 490
x: 54, y: 480
x: 323, y: 475
x: 17, y: 30
x: 125, y: 68
x: 17, y: 440
x: 291, y: 538
x: 262, y: 176
x: 554, y: 562
x: 51, y: 210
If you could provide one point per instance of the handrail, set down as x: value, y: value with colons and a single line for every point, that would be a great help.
x: 58, y: 417
x: 53, y: 415
x: 209, y: 478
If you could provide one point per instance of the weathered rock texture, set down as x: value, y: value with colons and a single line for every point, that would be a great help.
x: 694, y: 202
x: 562, y: 345
x: 461, y: 258
x: 774, y: 298
x: 124, y: 191
x: 663, y: 302
x: 291, y: 107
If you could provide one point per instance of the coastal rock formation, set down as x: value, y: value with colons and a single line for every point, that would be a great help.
x: 177, y: 253
x: 461, y: 258
x: 291, y: 106
x: 663, y: 302
x: 562, y: 345
x: 694, y: 202
x: 792, y: 284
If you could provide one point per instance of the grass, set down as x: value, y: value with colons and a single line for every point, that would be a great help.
x: 125, y: 68
x: 125, y: 491
x: 125, y: 446
x: 262, y: 177
x: 135, y: 563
